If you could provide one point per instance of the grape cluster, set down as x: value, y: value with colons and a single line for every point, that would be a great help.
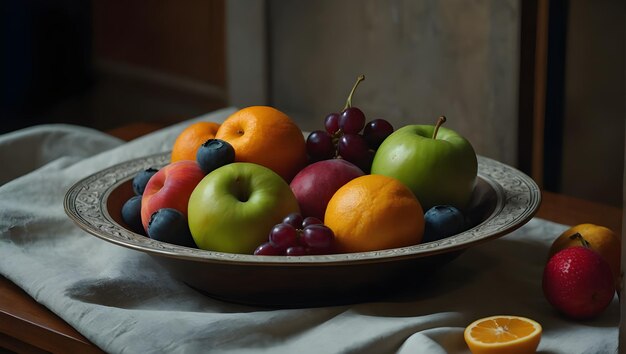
x: 298, y: 236
x: 342, y: 139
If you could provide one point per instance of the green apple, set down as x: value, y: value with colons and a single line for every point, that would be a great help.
x: 436, y: 163
x: 234, y: 207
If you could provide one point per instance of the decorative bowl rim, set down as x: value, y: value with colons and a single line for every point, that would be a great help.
x: 85, y: 202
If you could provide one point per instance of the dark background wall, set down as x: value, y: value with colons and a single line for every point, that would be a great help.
x: 46, y: 57
x: 104, y: 63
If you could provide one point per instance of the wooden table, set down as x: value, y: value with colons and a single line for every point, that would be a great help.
x: 28, y: 327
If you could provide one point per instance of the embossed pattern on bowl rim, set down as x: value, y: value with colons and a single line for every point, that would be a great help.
x: 518, y: 198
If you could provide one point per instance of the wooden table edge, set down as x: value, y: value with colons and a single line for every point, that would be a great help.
x: 29, y: 325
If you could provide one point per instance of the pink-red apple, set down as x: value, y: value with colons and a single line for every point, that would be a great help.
x: 314, y: 185
x: 170, y: 188
x: 578, y: 282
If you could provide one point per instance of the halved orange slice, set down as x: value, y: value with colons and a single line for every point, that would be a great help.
x: 503, y: 334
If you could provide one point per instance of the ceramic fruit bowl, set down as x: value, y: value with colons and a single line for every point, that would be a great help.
x: 503, y: 200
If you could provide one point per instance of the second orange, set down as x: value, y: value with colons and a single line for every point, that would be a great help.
x: 266, y: 136
x: 189, y: 140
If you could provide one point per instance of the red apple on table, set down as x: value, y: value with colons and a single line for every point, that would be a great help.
x: 170, y: 188
x: 578, y: 282
x: 314, y: 185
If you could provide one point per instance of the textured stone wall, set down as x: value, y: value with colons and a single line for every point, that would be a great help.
x: 421, y: 59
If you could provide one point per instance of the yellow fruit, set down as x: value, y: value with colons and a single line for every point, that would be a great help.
x: 374, y: 212
x: 599, y: 238
x: 503, y: 334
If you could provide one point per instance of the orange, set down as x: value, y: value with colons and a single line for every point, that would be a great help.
x: 190, y: 139
x: 374, y: 212
x: 599, y: 238
x: 268, y: 137
x: 503, y: 334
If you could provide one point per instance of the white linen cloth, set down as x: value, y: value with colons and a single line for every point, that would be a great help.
x: 124, y: 302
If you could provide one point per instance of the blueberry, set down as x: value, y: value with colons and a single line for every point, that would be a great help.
x: 442, y: 221
x: 170, y: 225
x: 131, y: 214
x: 214, y: 153
x: 141, y: 179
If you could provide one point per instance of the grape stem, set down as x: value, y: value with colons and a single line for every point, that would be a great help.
x: 349, y: 100
x: 440, y: 121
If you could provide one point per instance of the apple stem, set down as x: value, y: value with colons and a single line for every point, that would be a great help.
x: 440, y: 121
x: 349, y: 100
x: 582, y: 240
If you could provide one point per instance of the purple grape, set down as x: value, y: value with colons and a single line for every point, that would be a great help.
x: 283, y: 236
x: 295, y: 251
x: 318, y: 236
x: 351, y: 120
x: 310, y: 220
x: 293, y: 219
x: 319, y: 146
x: 353, y: 148
x: 309, y: 237
x: 266, y: 249
x: 331, y: 123
x: 376, y: 131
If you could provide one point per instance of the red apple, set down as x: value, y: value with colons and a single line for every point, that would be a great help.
x: 170, y: 188
x: 314, y: 185
x: 578, y: 282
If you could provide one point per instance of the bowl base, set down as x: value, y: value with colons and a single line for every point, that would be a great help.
x: 290, y: 291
